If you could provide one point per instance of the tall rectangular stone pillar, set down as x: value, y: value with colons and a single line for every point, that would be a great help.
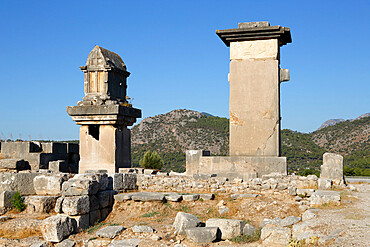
x: 254, y: 98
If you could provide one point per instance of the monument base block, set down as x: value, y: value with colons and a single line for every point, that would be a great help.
x: 245, y: 167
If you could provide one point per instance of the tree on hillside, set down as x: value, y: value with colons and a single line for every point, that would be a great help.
x: 151, y: 160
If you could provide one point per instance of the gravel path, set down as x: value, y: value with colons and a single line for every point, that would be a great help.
x: 352, y: 222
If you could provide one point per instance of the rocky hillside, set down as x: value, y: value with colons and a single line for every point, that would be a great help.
x: 173, y: 133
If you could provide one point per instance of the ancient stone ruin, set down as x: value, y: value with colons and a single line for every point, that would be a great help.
x: 104, y: 113
x: 254, y: 78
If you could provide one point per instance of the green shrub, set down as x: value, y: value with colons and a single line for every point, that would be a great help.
x: 18, y: 202
x: 151, y: 160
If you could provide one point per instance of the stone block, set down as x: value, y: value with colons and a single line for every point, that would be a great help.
x: 276, y: 236
x: 173, y: 197
x: 100, y: 176
x: 94, y: 203
x: 76, y: 187
x: 303, y: 229
x: 290, y: 220
x: 115, y: 181
x: 22, y: 182
x: 142, y: 228
x: 241, y: 196
x: 147, y: 196
x: 307, y: 215
x: 150, y: 172
x: 56, y: 228
x: 248, y: 229
x: 105, y: 198
x: 66, y: 243
x: 14, y: 164
x: 76, y: 205
x: 133, y: 242
x: 332, y: 168
x: 40, y: 244
x: 94, y: 216
x: 54, y: 147
x: 50, y: 184
x: 305, y: 192
x: 109, y: 231
x: 254, y: 24
x: 58, y: 205
x: 292, y: 190
x: 80, y: 222
x: 40, y: 204
x: 320, y: 197
x: 202, y: 234
x: 123, y: 197
x: 229, y: 228
x: 129, y: 181
x: 104, y: 213
x: 259, y: 49
x: 190, y: 198
x: 59, y: 166
x: 208, y: 196
x: 284, y: 75
x: 185, y: 221
x: 6, y: 198
x: 324, y: 183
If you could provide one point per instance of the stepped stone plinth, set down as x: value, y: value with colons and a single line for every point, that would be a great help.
x: 104, y: 113
x: 254, y: 105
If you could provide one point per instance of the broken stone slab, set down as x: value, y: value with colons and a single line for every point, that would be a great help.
x: 142, y: 228
x: 240, y: 196
x: 332, y: 168
x: 223, y: 210
x: 185, y: 221
x: 109, y: 231
x: 307, y: 215
x: 56, y: 228
x: 76, y: 205
x: 78, y: 187
x: 123, y: 197
x: 147, y: 196
x: 173, y: 197
x: 93, y: 242
x: 150, y: 172
x: 190, y: 198
x: 303, y: 229
x: 320, y: 197
x: 6, y: 198
x: 4, y: 218
x: 202, y: 234
x: 290, y: 220
x: 105, y: 198
x: 50, y: 184
x: 40, y: 204
x: 229, y: 228
x: 134, y: 242
x: 248, y: 229
x: 66, y: 243
x: 208, y: 196
x: 274, y: 222
x: 305, y: 192
x: 292, y: 190
x: 275, y: 236
x: 324, y: 183
x: 14, y: 164
x: 40, y: 244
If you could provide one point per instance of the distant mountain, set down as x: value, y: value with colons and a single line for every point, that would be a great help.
x: 331, y: 122
x: 173, y: 133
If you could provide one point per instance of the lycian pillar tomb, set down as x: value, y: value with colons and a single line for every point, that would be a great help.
x: 104, y: 114
x: 254, y: 105
x: 255, y: 87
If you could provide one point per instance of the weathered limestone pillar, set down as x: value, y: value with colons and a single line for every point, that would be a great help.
x: 104, y: 114
x: 255, y: 78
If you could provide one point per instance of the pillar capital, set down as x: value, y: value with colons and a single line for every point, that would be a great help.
x: 248, y: 31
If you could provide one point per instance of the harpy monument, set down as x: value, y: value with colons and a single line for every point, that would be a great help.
x: 105, y: 141
x: 254, y: 105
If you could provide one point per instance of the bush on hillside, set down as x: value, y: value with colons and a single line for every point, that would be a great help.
x: 151, y: 160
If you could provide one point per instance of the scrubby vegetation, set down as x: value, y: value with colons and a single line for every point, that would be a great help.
x: 151, y: 160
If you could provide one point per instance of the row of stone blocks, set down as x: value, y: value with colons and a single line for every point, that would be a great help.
x: 37, y: 155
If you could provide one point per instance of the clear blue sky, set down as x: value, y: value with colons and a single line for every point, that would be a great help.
x: 175, y: 58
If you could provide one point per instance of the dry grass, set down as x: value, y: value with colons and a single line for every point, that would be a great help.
x: 18, y: 234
